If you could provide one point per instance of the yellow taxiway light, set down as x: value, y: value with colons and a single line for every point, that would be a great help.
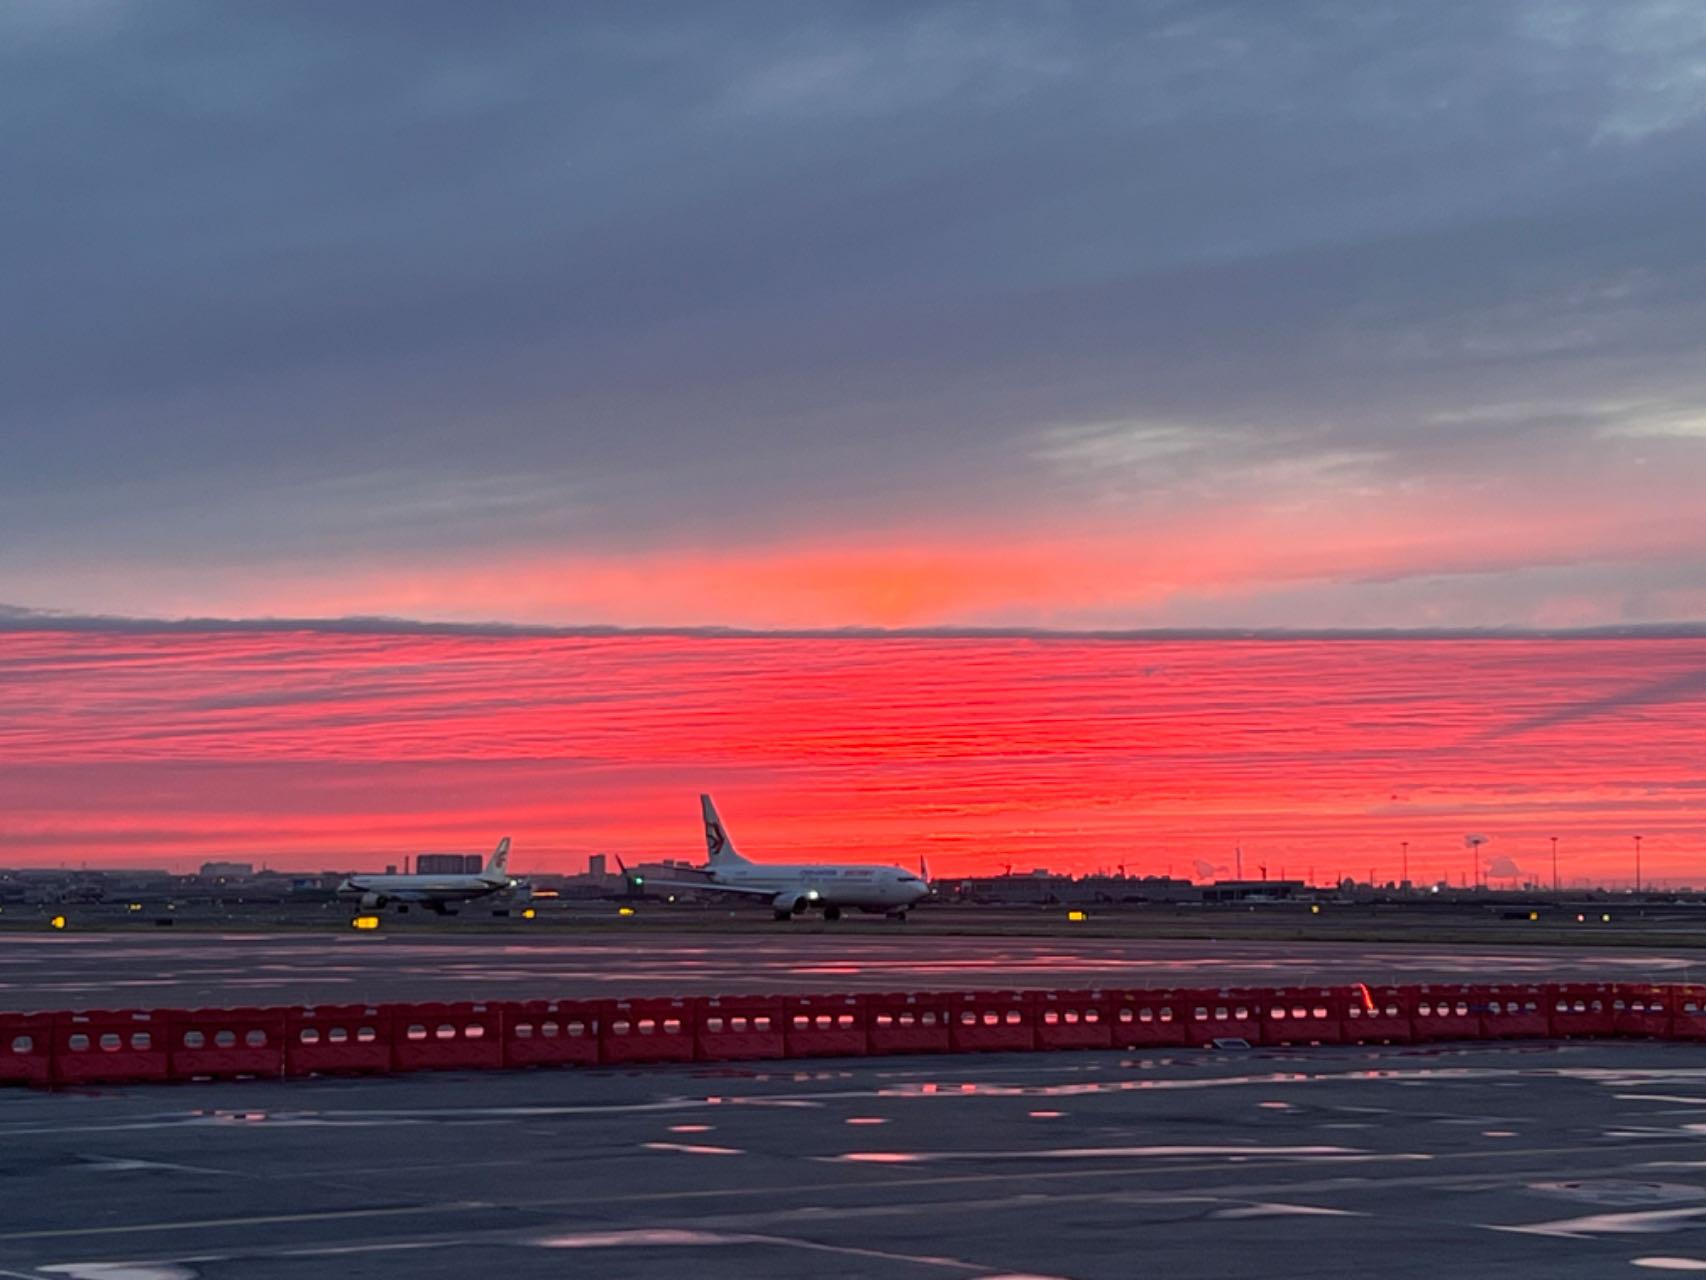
x: 1077, y: 916
x: 365, y: 922
x: 1534, y: 915
x: 136, y: 906
x: 529, y: 913
x: 1314, y: 908
x: 58, y: 922
x: 624, y: 911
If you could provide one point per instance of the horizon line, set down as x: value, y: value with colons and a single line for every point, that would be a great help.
x: 19, y: 619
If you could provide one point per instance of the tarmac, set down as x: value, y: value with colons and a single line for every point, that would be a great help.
x: 1557, y: 1160
x: 130, y: 970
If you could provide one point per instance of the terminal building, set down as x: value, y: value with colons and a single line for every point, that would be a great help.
x: 1255, y: 891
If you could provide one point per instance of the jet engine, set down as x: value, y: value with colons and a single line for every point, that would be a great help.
x: 372, y: 901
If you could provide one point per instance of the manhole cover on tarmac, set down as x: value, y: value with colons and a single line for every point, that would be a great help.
x: 1619, y: 1191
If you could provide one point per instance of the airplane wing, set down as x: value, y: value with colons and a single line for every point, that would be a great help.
x: 647, y: 882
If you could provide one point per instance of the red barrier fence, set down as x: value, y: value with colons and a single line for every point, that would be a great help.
x: 224, y: 1044
x: 1378, y: 1015
x: 337, y: 1039
x: 653, y: 1030
x: 446, y: 1037
x: 110, y: 1046
x: 900, y: 1022
x: 1305, y: 1015
x: 1688, y: 1015
x: 1513, y: 1012
x: 1073, y: 1020
x: 732, y: 1028
x: 124, y: 1046
x: 1643, y: 1012
x: 824, y: 1026
x: 1583, y: 1009
x: 552, y: 1033
x: 26, y: 1048
x: 992, y: 1022
x: 1229, y: 1013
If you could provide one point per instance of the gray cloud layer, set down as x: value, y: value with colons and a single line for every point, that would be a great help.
x: 286, y: 281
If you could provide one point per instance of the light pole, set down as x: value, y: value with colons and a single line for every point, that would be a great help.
x: 1404, y: 845
x: 1637, y: 864
x: 1554, y: 864
x: 1475, y: 842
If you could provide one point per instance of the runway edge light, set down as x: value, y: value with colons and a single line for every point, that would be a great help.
x: 365, y: 922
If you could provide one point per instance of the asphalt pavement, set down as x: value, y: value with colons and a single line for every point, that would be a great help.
x: 140, y: 970
x: 1576, y: 1160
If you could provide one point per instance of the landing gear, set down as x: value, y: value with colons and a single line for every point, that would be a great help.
x: 899, y: 917
x: 832, y: 913
x: 783, y: 915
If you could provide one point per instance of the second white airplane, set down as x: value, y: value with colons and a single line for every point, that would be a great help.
x: 434, y: 892
x: 800, y: 887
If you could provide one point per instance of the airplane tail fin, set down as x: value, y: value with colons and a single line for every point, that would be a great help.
x: 497, y: 866
x: 718, y: 846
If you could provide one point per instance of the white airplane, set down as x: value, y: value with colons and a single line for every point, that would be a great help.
x: 792, y: 889
x: 435, y: 893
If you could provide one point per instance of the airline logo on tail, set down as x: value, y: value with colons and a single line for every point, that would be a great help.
x: 497, y: 866
x: 717, y: 843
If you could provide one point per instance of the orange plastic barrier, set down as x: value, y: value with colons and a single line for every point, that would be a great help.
x: 1582, y: 1008
x: 551, y: 1033
x: 992, y: 1022
x: 1304, y: 1015
x: 1643, y: 1011
x: 733, y: 1028
x: 656, y: 1029
x: 1073, y: 1019
x: 226, y: 1043
x: 1513, y: 1012
x: 110, y: 1046
x: 898, y: 1022
x: 337, y: 1039
x: 26, y: 1048
x: 1378, y: 1015
x: 463, y: 1035
x: 1447, y: 1012
x: 824, y: 1026
x: 1227, y: 1013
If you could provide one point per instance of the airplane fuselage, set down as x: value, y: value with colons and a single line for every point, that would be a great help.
x: 859, y: 888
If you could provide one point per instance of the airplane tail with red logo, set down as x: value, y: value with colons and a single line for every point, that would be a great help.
x: 718, y: 847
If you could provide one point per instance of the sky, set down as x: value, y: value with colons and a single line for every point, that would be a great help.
x: 800, y: 317
x: 354, y: 745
